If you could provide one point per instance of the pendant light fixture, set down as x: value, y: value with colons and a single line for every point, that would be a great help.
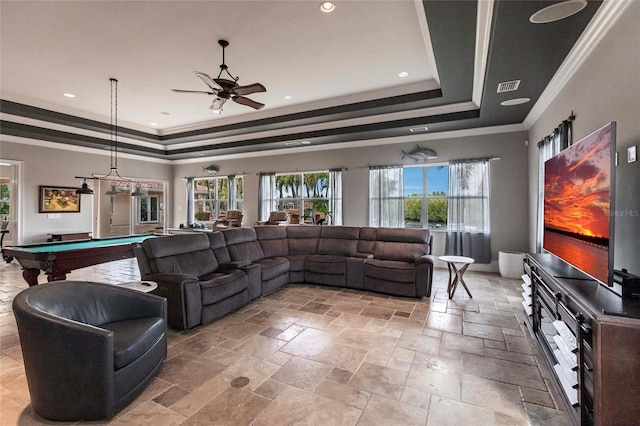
x: 113, y: 148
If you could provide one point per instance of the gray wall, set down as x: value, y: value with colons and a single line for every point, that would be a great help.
x: 509, y: 207
x: 50, y: 166
x: 606, y: 88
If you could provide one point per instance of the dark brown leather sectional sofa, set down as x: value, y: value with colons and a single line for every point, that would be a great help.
x: 207, y: 275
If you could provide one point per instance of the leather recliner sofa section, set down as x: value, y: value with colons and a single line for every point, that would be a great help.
x: 207, y: 275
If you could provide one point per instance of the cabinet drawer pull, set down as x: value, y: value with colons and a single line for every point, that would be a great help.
x: 587, y: 367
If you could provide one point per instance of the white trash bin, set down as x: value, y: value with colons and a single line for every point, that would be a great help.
x: 510, y: 264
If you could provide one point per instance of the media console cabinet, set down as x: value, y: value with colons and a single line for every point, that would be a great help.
x: 590, y: 338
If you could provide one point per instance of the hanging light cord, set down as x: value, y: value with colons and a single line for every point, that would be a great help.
x: 114, y: 128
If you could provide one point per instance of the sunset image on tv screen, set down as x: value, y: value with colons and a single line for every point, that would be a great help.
x: 577, y: 201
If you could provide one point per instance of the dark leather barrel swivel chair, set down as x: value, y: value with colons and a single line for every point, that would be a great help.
x: 89, y: 348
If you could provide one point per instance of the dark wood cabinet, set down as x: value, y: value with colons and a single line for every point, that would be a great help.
x: 590, y: 338
x: 69, y: 236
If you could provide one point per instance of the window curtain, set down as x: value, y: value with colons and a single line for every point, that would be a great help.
x: 231, y: 190
x: 335, y: 197
x: 267, y: 196
x: 468, y: 232
x: 551, y: 145
x: 386, y: 202
x: 190, y: 201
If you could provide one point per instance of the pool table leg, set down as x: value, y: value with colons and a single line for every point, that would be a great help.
x: 30, y: 275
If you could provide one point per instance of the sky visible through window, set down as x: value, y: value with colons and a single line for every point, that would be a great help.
x: 437, y: 180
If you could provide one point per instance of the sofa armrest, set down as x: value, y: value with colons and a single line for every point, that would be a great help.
x: 362, y: 255
x: 239, y: 264
x: 424, y: 275
x: 184, y: 301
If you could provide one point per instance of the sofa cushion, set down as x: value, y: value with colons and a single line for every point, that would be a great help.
x: 218, y: 244
x: 132, y: 338
x: 196, y: 263
x: 273, y: 240
x: 367, y: 240
x: 325, y: 264
x: 273, y: 267
x: 303, y: 239
x: 218, y: 286
x: 338, y: 240
x: 390, y: 270
x: 296, y: 262
x: 242, y: 244
x: 175, y: 244
x: 401, y: 244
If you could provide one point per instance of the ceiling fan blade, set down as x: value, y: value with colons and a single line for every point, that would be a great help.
x: 226, y: 85
x: 248, y: 102
x: 208, y: 81
x: 249, y: 89
x: 193, y: 91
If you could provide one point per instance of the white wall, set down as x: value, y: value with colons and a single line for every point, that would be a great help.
x: 509, y: 207
x: 606, y: 88
x: 51, y: 166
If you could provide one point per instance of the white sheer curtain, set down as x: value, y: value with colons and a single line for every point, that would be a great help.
x: 267, y: 196
x: 386, y: 198
x: 335, y: 196
x: 468, y: 224
x: 548, y: 147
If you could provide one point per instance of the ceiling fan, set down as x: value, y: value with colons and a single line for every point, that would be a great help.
x: 224, y: 89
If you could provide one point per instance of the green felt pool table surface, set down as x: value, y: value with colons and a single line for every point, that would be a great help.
x: 59, y: 258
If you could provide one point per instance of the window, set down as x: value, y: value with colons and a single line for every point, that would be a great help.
x: 5, y: 200
x: 425, y: 196
x: 410, y: 197
x: 304, y: 195
x: 148, y: 209
x: 308, y: 197
x: 211, y: 196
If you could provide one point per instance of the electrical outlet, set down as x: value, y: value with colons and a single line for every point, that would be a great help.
x: 54, y: 216
x: 631, y: 154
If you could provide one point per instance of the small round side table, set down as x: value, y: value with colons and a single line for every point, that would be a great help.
x: 143, y: 286
x: 455, y: 273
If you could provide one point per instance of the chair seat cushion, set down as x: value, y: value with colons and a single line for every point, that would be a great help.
x: 390, y: 270
x: 273, y: 267
x: 296, y: 262
x: 325, y: 264
x: 218, y: 286
x: 132, y: 338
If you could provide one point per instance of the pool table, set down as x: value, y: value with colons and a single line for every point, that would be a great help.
x: 57, y: 259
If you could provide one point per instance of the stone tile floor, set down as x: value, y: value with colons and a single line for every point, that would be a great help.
x: 323, y: 356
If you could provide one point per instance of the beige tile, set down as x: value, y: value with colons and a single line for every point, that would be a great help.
x: 458, y: 342
x: 435, y: 382
x: 419, y: 343
x: 298, y: 407
x: 199, y: 397
x: 384, y: 411
x: 492, y: 395
x: 291, y: 332
x: 270, y: 389
x: 343, y: 357
x: 309, y: 344
x: 260, y: 346
x: 447, y: 412
x: 189, y: 371
x: 444, y: 322
x: 401, y: 359
x: 503, y: 371
x: 234, y: 406
x: 377, y: 312
x: 255, y: 369
x: 380, y: 380
x: 539, y: 416
x: 483, y: 331
x: 494, y: 320
x: 416, y: 397
x: 366, y: 340
x: 150, y: 413
x: 346, y: 394
x: 302, y: 373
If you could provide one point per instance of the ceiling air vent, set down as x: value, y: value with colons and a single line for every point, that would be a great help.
x: 508, y: 86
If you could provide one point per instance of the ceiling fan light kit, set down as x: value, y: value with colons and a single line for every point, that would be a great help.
x: 224, y: 89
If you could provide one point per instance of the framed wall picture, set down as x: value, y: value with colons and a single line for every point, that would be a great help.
x: 58, y: 199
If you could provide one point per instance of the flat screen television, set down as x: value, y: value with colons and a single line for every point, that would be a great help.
x: 579, y: 186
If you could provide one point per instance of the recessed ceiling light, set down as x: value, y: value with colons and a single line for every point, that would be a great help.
x: 288, y: 97
x: 516, y: 101
x: 557, y: 11
x: 327, y: 7
x: 306, y: 142
x: 294, y: 143
x: 165, y: 113
x: 70, y: 95
x: 216, y: 111
x: 154, y: 124
x: 420, y: 129
x: 403, y: 74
